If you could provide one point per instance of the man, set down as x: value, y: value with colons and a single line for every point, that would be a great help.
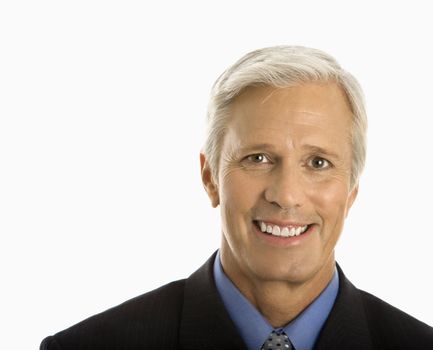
x: 282, y: 159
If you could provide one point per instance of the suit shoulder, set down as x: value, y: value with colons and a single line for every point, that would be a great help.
x: 133, y: 322
x: 393, y: 328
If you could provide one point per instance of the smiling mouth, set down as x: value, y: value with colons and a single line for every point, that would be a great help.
x: 280, y: 231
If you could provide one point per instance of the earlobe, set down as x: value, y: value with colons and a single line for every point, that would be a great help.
x: 208, y: 181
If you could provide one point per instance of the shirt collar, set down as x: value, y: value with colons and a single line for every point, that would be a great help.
x: 254, y: 328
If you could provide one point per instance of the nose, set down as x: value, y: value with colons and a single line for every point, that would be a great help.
x: 286, y: 188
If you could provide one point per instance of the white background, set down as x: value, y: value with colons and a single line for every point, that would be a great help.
x: 102, y: 110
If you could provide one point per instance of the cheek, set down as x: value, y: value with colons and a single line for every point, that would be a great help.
x: 239, y: 192
x: 239, y: 196
x: 330, y: 201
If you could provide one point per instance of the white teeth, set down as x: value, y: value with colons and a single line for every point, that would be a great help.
x: 276, y: 231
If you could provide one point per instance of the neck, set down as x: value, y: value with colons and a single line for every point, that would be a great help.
x: 279, y: 301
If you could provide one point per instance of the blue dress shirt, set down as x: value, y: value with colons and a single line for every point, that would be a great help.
x: 254, y: 328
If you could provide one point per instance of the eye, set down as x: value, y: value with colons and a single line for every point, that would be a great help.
x: 319, y: 163
x: 258, y: 158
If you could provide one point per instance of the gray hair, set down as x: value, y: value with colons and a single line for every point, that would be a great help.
x: 283, y: 66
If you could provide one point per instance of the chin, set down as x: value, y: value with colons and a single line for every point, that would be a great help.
x: 294, y: 271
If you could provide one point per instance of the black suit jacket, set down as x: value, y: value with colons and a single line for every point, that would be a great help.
x: 189, y: 314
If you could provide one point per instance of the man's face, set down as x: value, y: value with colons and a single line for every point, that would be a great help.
x: 285, y: 167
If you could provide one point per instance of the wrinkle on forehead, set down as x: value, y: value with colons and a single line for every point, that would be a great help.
x: 297, y: 116
x: 282, y: 90
x: 283, y: 93
x: 302, y: 104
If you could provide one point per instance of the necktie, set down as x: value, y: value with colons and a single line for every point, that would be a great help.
x: 277, y: 340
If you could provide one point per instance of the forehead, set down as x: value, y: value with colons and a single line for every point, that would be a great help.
x: 303, y: 113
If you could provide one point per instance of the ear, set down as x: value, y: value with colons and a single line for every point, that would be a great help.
x: 352, y: 196
x: 208, y: 181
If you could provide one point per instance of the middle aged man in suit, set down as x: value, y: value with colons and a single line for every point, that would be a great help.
x: 285, y: 148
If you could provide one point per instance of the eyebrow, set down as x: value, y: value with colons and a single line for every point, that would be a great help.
x: 317, y: 149
x: 259, y: 146
x: 271, y: 147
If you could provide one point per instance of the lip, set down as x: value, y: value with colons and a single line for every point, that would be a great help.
x: 284, y: 242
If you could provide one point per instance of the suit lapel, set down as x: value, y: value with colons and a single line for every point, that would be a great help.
x: 205, y: 323
x: 346, y: 326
